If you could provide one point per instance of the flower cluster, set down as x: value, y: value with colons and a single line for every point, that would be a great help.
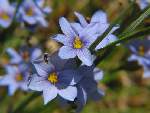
x: 60, y: 74
x: 69, y: 74
x: 32, y: 12
x: 141, y: 53
x: 19, y: 68
x: 64, y: 78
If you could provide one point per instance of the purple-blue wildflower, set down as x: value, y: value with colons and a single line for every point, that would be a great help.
x: 54, y: 77
x: 87, y: 88
x: 6, y: 13
x: 33, y: 13
x: 141, y: 52
x: 99, y: 18
x: 76, y: 44
x: 78, y: 37
x: 14, y: 79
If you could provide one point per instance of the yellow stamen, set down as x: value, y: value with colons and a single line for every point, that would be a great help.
x: 77, y: 43
x: 4, y: 16
x: 29, y: 12
x: 53, y: 78
x: 141, y: 50
x: 19, y: 78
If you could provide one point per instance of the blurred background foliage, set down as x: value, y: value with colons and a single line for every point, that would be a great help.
x: 126, y: 91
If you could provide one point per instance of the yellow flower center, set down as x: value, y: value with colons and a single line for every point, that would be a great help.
x: 77, y: 43
x: 29, y: 11
x: 141, y: 51
x: 53, y: 78
x: 19, y: 78
x: 4, y: 16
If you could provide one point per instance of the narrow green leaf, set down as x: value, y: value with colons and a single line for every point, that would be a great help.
x: 135, y: 34
x: 25, y: 102
x: 137, y: 22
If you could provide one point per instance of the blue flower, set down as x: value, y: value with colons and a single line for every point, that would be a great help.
x: 14, y: 79
x: 32, y: 13
x: 54, y: 77
x: 76, y: 44
x: 143, y: 3
x: 100, y: 20
x: 6, y: 13
x: 87, y: 88
x: 88, y: 91
x: 141, y: 52
x: 23, y: 58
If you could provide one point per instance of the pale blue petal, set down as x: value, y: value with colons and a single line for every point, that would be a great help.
x: 47, y: 10
x: 36, y: 54
x: 77, y: 27
x: 38, y: 83
x: 42, y: 21
x: 4, y: 23
x: 98, y: 74
x: 23, y: 86
x: 62, y: 39
x: 12, y: 89
x: 146, y: 72
x: 99, y: 16
x: 29, y: 19
x: 67, y: 52
x: 69, y: 93
x: 4, y: 4
x: 11, y: 70
x: 143, y: 3
x: 43, y: 68
x: 49, y: 94
x: 66, y: 28
x: 15, y: 57
x: 4, y: 80
x: 81, y: 18
x: 85, y: 56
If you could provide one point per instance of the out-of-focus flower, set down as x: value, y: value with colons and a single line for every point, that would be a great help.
x: 141, y: 53
x: 99, y: 18
x: 26, y: 54
x: 23, y: 58
x: 42, y: 4
x: 14, y: 79
x: 76, y: 43
x: 54, y: 77
x: 143, y: 3
x: 33, y: 12
x: 6, y: 13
